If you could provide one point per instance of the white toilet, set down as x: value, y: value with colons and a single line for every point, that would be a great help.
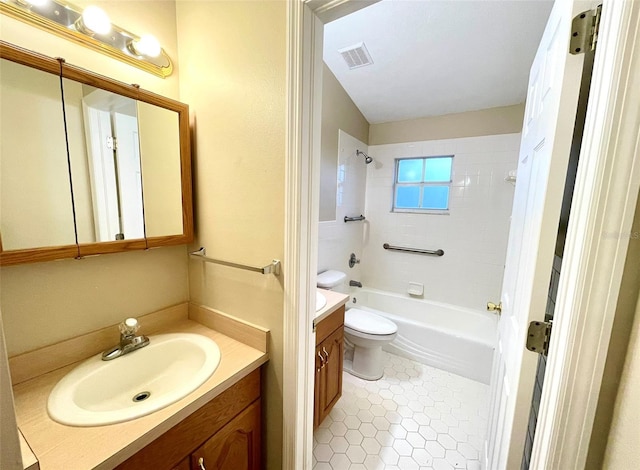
x: 367, y: 331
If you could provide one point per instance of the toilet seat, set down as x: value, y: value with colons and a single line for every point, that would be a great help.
x: 360, y: 321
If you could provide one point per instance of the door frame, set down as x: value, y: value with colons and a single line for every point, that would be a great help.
x: 604, y: 202
x: 607, y: 186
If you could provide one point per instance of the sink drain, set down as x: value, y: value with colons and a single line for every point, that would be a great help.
x: 142, y: 396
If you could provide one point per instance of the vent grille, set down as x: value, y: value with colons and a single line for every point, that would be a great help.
x: 356, y: 56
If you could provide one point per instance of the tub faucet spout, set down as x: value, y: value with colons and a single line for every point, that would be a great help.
x: 355, y: 283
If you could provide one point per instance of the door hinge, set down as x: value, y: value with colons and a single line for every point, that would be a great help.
x: 112, y: 143
x: 584, y: 31
x: 538, y: 337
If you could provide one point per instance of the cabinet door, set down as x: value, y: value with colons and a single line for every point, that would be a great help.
x: 236, y: 446
x: 329, y: 387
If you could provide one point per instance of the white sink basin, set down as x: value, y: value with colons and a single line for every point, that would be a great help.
x: 101, y: 392
x: 321, y: 301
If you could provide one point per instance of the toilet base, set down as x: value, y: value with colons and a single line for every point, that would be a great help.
x: 367, y: 363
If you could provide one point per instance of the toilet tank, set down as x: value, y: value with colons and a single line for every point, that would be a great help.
x: 332, y: 280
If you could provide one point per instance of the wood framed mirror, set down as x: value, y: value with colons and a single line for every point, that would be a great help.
x: 88, y: 165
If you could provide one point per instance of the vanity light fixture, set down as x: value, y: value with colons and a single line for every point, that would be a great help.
x: 92, y: 28
x: 35, y: 3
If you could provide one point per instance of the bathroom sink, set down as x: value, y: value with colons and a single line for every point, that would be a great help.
x: 321, y: 301
x: 101, y: 392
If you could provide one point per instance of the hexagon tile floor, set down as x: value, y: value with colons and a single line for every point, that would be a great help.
x: 415, y: 417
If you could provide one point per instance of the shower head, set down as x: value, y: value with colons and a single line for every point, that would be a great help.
x: 367, y: 158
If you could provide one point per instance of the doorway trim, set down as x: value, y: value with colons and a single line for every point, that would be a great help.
x: 607, y: 187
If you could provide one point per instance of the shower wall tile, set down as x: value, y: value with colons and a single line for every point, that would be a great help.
x: 337, y: 239
x: 474, y: 235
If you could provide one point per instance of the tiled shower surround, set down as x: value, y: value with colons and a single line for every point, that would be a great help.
x: 415, y: 417
x: 473, y: 234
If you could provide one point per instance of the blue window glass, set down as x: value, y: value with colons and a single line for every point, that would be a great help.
x: 410, y: 170
x: 435, y: 197
x: 438, y: 169
x: 422, y: 184
x: 407, y: 197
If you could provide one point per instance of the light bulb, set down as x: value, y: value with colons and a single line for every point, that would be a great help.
x: 147, y: 45
x: 95, y: 20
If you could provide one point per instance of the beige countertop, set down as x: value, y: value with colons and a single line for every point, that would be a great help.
x: 334, y: 301
x: 57, y: 446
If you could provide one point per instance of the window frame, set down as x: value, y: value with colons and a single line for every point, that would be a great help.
x: 421, y: 184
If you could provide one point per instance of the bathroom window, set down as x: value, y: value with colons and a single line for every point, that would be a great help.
x: 422, y: 184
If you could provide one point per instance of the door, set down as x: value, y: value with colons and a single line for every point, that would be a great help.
x: 552, y: 98
x: 102, y: 173
x: 129, y: 175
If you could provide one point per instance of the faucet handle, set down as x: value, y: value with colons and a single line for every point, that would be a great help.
x: 129, y: 327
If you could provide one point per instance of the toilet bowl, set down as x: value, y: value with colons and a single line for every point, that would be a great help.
x: 366, y: 331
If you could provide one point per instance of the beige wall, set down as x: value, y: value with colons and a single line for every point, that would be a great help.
x: 493, y: 121
x: 44, y: 303
x: 73, y: 94
x: 160, y: 159
x: 35, y: 211
x: 233, y: 75
x: 618, y: 408
x: 338, y: 112
x: 624, y: 436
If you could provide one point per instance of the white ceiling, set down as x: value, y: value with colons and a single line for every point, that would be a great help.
x: 434, y: 57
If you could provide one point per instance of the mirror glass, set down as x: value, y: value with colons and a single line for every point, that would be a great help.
x: 161, y: 169
x: 87, y: 160
x: 105, y: 163
x: 35, y: 195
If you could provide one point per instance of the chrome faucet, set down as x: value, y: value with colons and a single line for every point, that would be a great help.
x: 355, y: 283
x: 129, y: 341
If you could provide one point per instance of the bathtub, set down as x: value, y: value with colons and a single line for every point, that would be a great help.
x: 455, y: 339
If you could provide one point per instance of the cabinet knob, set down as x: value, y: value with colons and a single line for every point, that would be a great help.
x: 201, y: 463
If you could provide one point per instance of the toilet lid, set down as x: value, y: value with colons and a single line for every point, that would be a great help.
x: 330, y: 279
x: 367, y: 322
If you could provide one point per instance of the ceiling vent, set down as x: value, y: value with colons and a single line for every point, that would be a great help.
x: 356, y: 56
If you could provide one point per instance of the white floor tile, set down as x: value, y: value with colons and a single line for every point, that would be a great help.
x: 354, y: 437
x: 389, y: 456
x: 356, y: 454
x: 340, y: 462
x: 339, y: 444
x: 415, y: 417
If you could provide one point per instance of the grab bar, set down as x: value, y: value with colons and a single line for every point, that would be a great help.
x: 273, y: 268
x: 353, y: 219
x: 419, y: 251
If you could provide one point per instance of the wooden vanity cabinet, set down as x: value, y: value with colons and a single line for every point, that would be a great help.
x: 236, y: 446
x: 225, y: 433
x: 328, y: 364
